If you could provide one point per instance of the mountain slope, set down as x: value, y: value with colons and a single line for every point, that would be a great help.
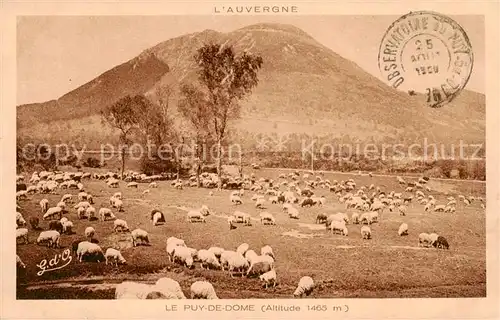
x: 304, y: 87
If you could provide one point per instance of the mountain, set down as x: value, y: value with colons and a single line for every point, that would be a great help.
x: 304, y: 87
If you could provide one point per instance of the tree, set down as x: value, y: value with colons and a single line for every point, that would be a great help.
x: 227, y: 79
x: 194, y: 107
x: 127, y: 115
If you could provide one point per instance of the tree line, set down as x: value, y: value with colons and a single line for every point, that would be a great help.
x: 207, y: 105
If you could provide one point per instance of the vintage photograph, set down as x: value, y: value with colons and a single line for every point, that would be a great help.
x: 251, y: 157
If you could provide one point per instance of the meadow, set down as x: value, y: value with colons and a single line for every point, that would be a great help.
x: 386, y: 266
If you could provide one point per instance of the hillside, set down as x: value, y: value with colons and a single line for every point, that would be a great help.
x: 304, y: 88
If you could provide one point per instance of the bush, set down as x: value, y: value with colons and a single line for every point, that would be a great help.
x: 91, y: 162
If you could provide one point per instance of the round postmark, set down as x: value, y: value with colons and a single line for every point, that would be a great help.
x: 429, y: 53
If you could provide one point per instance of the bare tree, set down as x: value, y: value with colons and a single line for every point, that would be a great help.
x: 227, y: 79
x: 194, y: 107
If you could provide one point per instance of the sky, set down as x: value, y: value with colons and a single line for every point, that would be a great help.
x: 57, y: 54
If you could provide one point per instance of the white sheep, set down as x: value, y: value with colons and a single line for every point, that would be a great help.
x: 366, y: 232
x: 52, y: 212
x: 114, y: 256
x: 170, y: 288
x: 139, y: 236
x: 84, y: 204
x: 22, y: 233
x: 424, y: 240
x: 89, y: 248
x: 339, y: 226
x: 439, y: 208
x: 120, y: 224
x: 158, y: 217
x: 208, y: 259
x: 235, y: 199
x: 118, y: 204
x: 355, y: 218
x: 403, y: 229
x: 132, y: 184
x: 238, y: 263
x: 89, y: 233
x: 52, y: 237
x: 67, y: 198
x: 260, y: 203
x: 67, y: 226
x: 267, y: 218
x: 132, y: 290
x: 205, y: 211
x: 293, y: 213
x: 44, y: 205
x: 183, y: 255
x: 203, y: 290
x: 82, y: 196
x: 105, y: 213
x: 153, y: 185
x: 269, y: 277
x: 242, y: 248
x: 194, y: 215
x: 242, y: 217
x: 267, y: 250
x: 224, y: 258
x: 305, y: 286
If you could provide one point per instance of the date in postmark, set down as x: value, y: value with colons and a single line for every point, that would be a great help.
x: 426, y: 52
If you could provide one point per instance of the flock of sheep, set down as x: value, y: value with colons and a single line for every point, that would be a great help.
x: 293, y: 192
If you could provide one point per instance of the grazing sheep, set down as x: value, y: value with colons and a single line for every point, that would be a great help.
x: 67, y: 227
x: 203, y: 290
x: 52, y: 238
x: 67, y: 198
x: 403, y: 229
x: 157, y: 216
x: 366, y: 232
x: 339, y: 226
x: 170, y: 288
x: 44, y: 205
x: 237, y: 263
x: 139, y: 236
x: 242, y: 217
x: 242, y: 248
x: 293, y: 213
x: 34, y: 222
x: 90, y: 212
x: 441, y: 243
x: 114, y: 256
x: 424, y: 240
x: 153, y: 185
x: 208, y: 259
x: 195, y: 216
x: 90, y: 250
x: 52, y: 212
x: 120, y: 224
x: 231, y: 220
x: 269, y: 277
x: 22, y: 234
x: 104, y: 213
x: 224, y: 257
x: 439, y: 208
x: 132, y: 290
x: 259, y: 266
x: 89, y: 233
x: 305, y: 287
x: 19, y: 262
x: 260, y: 203
x: 84, y: 204
x: 235, y: 199
x: 267, y: 218
x: 205, y: 211
x: 183, y: 255
x: 82, y: 196
x: 132, y: 184
x: 118, y: 204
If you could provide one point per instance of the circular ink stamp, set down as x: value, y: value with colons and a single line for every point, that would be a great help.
x: 429, y: 53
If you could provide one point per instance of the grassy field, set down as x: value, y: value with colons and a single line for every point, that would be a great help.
x: 385, y: 266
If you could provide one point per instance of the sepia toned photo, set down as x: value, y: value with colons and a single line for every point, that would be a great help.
x: 251, y: 152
